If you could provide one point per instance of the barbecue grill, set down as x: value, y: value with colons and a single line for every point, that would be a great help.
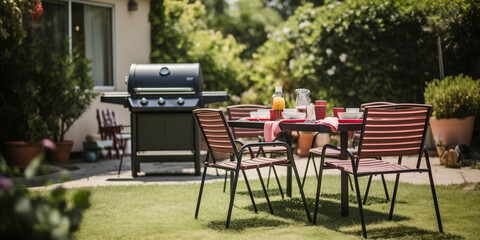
x: 161, y: 98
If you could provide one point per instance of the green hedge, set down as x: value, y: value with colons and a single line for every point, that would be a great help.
x: 359, y: 51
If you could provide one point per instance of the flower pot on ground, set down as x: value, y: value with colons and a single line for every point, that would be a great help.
x: 20, y: 154
x: 455, y: 101
x: 61, y: 154
x: 451, y: 132
x: 304, y: 143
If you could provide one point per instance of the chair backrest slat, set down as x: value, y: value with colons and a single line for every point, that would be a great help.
x: 393, y: 130
x: 237, y: 112
x: 215, y: 130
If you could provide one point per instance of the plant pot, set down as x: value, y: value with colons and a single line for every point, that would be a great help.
x: 61, y: 154
x: 304, y: 143
x: 451, y: 131
x: 20, y: 154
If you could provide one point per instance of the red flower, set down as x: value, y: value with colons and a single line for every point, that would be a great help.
x: 37, y: 11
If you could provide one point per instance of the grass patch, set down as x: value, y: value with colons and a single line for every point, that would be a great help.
x: 167, y: 212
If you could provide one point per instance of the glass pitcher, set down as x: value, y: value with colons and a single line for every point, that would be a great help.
x: 302, y: 100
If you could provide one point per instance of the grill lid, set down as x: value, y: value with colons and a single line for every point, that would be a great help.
x: 175, y: 78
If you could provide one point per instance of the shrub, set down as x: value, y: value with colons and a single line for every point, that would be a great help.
x: 453, y: 97
x: 351, y: 52
x: 34, y: 215
x: 19, y: 96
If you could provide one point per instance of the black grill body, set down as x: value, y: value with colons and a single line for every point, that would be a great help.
x: 161, y: 98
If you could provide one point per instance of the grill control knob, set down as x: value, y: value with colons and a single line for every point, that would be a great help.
x: 180, y: 101
x: 144, y: 101
x: 161, y: 100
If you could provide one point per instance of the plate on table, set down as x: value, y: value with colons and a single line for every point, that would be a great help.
x: 258, y: 119
x: 294, y: 120
x: 350, y: 115
x: 350, y: 120
x: 294, y: 115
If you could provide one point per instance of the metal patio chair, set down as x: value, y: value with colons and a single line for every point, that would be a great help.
x: 219, y: 138
x: 333, y: 153
x: 109, y: 129
x: 236, y: 112
x: 388, y: 130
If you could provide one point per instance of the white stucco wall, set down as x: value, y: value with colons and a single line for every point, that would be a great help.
x: 131, y: 45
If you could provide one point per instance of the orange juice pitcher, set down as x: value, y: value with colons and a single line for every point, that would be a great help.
x: 278, y: 103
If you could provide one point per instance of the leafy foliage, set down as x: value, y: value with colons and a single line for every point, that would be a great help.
x: 249, y: 21
x: 178, y: 35
x: 63, y: 78
x: 12, y: 14
x: 351, y: 52
x: 42, y: 91
x: 29, y: 215
x: 453, y: 97
x: 18, y: 89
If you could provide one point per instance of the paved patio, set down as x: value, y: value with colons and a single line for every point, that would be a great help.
x: 104, y: 173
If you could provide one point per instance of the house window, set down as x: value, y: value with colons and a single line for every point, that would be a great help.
x: 90, y: 26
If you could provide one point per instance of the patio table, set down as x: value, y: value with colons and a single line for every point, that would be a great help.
x: 343, y: 129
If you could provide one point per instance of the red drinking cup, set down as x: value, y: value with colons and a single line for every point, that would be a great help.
x: 320, y: 111
x: 336, y: 110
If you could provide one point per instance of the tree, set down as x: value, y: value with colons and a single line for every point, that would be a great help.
x: 180, y: 35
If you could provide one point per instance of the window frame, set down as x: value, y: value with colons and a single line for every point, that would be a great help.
x: 112, y: 22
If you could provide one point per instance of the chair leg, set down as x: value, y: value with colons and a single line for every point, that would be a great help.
x: 434, y: 194
x: 390, y: 216
x: 368, y: 189
x: 350, y: 181
x: 249, y: 192
x: 306, y: 169
x: 225, y: 181
x: 360, y: 207
x: 124, y: 145
x: 232, y: 197
x: 201, y: 190
x: 300, y: 188
x: 120, y: 166
x: 268, y: 177
x: 265, y: 191
x: 278, y: 181
x: 385, y: 187
x: 317, y: 195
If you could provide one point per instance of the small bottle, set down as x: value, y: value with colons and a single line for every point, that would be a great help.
x: 278, y: 103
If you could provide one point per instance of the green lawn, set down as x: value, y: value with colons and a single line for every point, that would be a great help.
x: 167, y: 212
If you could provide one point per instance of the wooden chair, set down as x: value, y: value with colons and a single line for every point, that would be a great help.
x: 236, y: 112
x: 219, y: 138
x: 388, y: 130
x: 109, y: 129
x: 333, y: 153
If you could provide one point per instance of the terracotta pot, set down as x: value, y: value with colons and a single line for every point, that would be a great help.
x: 304, y: 143
x: 20, y: 154
x: 452, y: 131
x: 61, y: 154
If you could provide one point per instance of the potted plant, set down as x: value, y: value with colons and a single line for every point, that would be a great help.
x: 66, y: 92
x: 21, y: 124
x: 455, y: 101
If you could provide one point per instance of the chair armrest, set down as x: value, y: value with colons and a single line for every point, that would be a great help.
x: 263, y: 144
x: 338, y: 149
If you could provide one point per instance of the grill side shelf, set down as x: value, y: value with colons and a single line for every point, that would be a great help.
x: 214, y: 96
x: 116, y: 98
